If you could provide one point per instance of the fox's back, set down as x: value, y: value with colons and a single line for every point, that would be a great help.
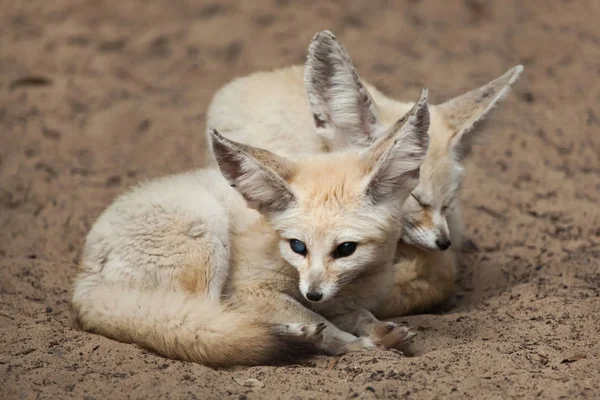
x: 267, y: 110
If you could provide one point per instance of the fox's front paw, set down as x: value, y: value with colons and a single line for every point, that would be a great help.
x: 310, y: 332
x: 392, y: 336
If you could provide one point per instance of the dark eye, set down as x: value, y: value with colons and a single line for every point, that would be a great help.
x: 298, y: 247
x: 345, y: 249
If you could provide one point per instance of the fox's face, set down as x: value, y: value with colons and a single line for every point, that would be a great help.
x: 334, y: 233
x: 337, y: 214
x: 427, y: 207
x: 346, y: 116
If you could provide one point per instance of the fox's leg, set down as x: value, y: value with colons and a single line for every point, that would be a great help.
x: 293, y: 316
x: 363, y: 323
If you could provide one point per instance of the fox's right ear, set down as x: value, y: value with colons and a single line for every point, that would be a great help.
x: 464, y: 113
x: 259, y: 175
x: 343, y: 110
x: 395, y: 159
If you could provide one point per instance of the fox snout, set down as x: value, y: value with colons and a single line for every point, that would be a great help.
x: 425, y: 233
x: 314, y: 295
x: 315, y: 286
x: 427, y: 239
x: 443, y: 243
x: 313, y: 290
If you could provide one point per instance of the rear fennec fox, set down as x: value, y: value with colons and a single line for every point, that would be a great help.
x: 270, y: 110
x: 300, y: 251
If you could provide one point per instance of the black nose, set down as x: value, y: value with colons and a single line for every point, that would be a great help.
x: 314, y: 296
x: 443, y: 244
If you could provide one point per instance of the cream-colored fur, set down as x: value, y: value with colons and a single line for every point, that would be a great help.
x: 324, y: 106
x: 182, y: 265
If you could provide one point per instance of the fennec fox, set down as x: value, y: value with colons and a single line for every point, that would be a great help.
x: 298, y: 250
x: 270, y: 110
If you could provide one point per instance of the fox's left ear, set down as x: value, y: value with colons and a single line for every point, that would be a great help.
x: 259, y: 175
x: 395, y: 158
x: 343, y: 111
x: 462, y: 113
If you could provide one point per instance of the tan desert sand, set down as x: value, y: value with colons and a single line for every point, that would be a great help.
x: 98, y: 95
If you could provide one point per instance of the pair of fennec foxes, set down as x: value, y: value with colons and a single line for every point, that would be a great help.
x: 335, y: 212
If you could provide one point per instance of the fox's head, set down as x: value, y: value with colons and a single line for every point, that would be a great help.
x: 332, y: 82
x: 337, y: 214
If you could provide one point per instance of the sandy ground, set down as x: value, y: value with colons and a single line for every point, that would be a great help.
x: 96, y: 95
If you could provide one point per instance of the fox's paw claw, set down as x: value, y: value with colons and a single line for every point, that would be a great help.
x: 393, y: 336
x: 310, y: 332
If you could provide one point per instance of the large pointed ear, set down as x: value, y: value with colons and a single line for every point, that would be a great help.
x: 462, y: 113
x: 396, y: 157
x: 343, y: 111
x: 259, y: 175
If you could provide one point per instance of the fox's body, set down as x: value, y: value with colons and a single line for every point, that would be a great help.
x: 270, y: 110
x: 207, y: 265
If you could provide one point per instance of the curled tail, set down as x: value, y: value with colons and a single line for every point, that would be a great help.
x: 181, y: 326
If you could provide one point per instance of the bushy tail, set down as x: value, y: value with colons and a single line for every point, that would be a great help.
x: 184, y: 327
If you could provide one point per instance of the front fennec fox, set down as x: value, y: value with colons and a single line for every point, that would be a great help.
x: 270, y: 110
x: 307, y: 242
